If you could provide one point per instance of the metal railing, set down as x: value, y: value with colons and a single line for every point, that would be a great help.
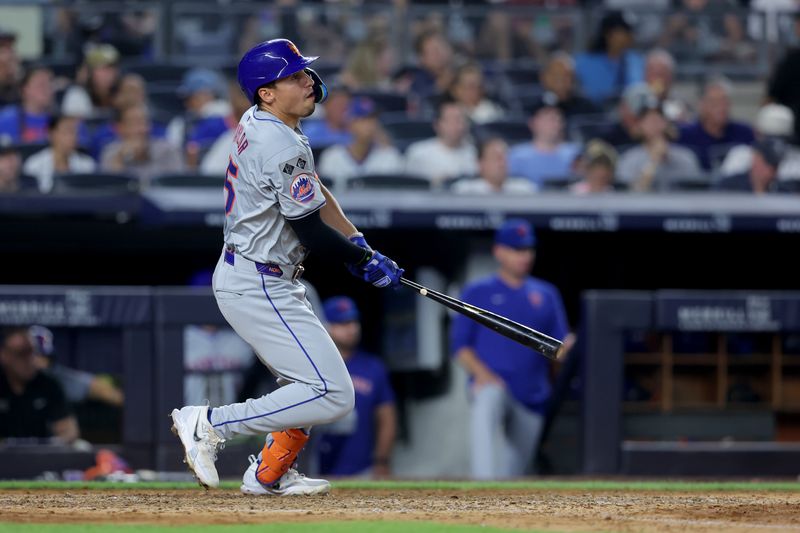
x: 215, y: 34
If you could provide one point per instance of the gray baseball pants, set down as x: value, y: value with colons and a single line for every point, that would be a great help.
x: 273, y: 315
x: 504, y: 434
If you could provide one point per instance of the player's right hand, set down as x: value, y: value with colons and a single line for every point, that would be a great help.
x: 359, y: 240
x: 381, y: 271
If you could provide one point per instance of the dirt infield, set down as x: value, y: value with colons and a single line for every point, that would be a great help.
x: 524, y: 509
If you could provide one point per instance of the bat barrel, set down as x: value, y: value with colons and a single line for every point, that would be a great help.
x: 544, y: 344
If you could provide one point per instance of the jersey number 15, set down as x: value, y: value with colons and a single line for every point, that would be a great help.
x: 231, y: 174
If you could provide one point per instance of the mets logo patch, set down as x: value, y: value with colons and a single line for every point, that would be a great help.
x: 303, y: 188
x: 293, y: 48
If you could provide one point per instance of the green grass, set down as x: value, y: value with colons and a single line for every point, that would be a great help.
x: 318, y: 527
x: 573, y: 485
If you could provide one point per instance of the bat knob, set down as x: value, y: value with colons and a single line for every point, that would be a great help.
x: 560, y: 353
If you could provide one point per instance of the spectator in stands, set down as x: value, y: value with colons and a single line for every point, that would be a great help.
x: 130, y: 91
x: 505, y: 36
x: 714, y: 132
x: 78, y: 385
x: 509, y: 388
x: 32, y: 404
x: 61, y: 156
x: 10, y: 70
x: 659, y: 72
x: 785, y: 79
x: 369, y: 153
x: 92, y: 95
x: 596, y: 169
x: 448, y: 155
x: 215, y: 162
x: 370, y: 65
x: 657, y: 162
x: 706, y: 30
x: 547, y: 156
x: 136, y: 152
x: 624, y: 133
x: 558, y: 78
x: 361, y: 443
x: 772, y: 120
x: 26, y: 122
x: 437, y: 69
x: 762, y: 176
x: 611, y: 65
x: 328, y: 126
x: 493, y: 172
x: 206, y: 115
x: 469, y: 91
x: 11, y: 180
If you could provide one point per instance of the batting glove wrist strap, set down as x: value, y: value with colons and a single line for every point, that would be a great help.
x: 359, y: 240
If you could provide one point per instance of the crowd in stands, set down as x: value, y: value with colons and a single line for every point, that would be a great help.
x: 459, y: 115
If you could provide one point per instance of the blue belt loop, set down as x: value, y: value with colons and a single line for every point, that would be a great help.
x: 228, y: 257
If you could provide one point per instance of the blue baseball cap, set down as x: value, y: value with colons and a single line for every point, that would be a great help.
x: 515, y: 233
x: 201, y: 79
x: 340, y: 309
x: 361, y: 107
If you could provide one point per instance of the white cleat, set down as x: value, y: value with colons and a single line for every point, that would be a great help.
x: 292, y: 483
x: 200, y: 442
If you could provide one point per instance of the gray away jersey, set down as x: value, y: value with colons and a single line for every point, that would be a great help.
x: 270, y: 178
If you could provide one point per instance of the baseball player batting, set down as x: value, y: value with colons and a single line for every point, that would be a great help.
x: 277, y: 211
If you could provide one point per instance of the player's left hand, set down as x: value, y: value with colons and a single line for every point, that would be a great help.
x: 381, y: 271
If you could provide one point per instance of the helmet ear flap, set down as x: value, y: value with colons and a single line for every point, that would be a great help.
x: 320, y: 89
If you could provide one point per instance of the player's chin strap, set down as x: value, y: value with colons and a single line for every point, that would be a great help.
x: 320, y: 89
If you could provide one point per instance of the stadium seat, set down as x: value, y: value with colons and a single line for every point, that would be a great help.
x: 165, y: 101
x: 405, y: 132
x: 95, y: 181
x: 389, y: 181
x: 390, y: 102
x: 60, y: 68
x: 512, y: 131
x: 583, y: 128
x: 327, y: 70
x: 158, y: 72
x: 25, y: 150
x: 558, y: 183
x: 522, y: 73
x: 691, y: 183
x: 28, y: 183
x: 187, y: 181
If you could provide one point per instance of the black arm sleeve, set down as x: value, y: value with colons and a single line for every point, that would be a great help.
x: 322, y: 239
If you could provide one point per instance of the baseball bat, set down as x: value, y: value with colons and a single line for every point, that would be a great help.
x: 535, y: 340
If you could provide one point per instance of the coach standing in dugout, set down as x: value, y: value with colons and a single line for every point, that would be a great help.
x: 359, y: 444
x: 509, y: 383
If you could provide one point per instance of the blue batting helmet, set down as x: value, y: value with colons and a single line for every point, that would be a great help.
x: 270, y: 61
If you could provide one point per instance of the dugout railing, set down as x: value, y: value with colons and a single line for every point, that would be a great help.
x: 609, y: 315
